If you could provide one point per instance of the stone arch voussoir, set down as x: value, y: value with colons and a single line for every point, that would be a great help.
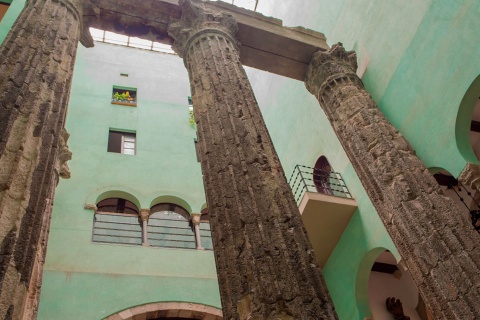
x: 169, y: 310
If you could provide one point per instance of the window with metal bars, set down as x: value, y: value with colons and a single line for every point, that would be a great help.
x: 116, y: 221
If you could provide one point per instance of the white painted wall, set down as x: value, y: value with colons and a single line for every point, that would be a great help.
x: 383, y: 285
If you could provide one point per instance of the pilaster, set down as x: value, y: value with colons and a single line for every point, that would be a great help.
x: 436, y: 241
x: 265, y: 263
x: 36, y: 66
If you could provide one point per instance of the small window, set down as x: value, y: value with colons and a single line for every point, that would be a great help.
x: 117, y: 205
x: 191, y: 118
x: 124, y: 96
x: 122, y: 142
x: 4, y: 5
x: 322, y: 176
x: 172, y: 208
x: 205, y: 232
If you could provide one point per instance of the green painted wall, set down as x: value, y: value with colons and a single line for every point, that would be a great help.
x: 86, y: 280
x: 9, y: 18
x: 417, y: 58
x: 420, y: 59
x: 301, y: 133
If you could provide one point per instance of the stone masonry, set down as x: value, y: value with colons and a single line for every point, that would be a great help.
x: 436, y: 241
x: 266, y: 265
x: 36, y: 66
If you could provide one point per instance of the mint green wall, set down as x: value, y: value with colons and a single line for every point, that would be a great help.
x: 8, y: 20
x: 301, y: 133
x: 86, y: 280
x: 419, y: 58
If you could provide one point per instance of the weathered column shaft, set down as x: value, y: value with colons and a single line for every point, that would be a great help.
x: 435, y: 240
x: 265, y: 263
x: 36, y: 65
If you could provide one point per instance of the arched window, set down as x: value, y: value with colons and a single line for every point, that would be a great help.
x: 117, y: 205
x: 117, y: 221
x: 205, y: 232
x: 169, y: 226
x: 321, y: 175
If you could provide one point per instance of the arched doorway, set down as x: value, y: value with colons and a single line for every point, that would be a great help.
x: 467, y: 199
x: 387, y: 279
x: 467, y: 126
x: 169, y: 311
x: 321, y: 175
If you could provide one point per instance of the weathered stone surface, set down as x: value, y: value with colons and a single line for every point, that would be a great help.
x: 266, y: 266
x: 470, y: 177
x: 61, y: 167
x: 36, y: 65
x: 265, y: 43
x: 409, y: 201
x: 34, y: 288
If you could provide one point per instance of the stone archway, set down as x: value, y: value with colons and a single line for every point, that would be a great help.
x: 168, y: 310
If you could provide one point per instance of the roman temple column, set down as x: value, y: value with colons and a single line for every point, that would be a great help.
x: 265, y: 263
x: 436, y: 241
x: 36, y: 66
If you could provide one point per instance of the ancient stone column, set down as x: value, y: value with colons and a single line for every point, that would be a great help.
x: 36, y: 65
x: 436, y: 241
x: 61, y: 171
x: 196, y: 227
x: 265, y: 263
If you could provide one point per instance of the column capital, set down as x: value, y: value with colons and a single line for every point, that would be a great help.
x: 76, y: 8
x: 195, y: 217
x: 64, y: 154
x: 327, y: 65
x: 144, y: 214
x: 470, y: 176
x: 196, y: 20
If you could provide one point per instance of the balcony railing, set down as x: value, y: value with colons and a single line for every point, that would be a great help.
x: 308, y: 179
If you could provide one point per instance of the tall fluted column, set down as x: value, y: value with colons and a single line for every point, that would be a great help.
x: 265, y: 263
x: 36, y: 66
x: 435, y: 240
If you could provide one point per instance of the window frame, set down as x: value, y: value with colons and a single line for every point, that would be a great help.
x: 125, y: 89
x: 123, y: 135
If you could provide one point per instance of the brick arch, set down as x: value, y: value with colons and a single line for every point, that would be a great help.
x: 168, y: 310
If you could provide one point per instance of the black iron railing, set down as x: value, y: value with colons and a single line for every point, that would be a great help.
x: 308, y: 179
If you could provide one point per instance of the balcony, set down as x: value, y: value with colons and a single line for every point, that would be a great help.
x: 326, y: 206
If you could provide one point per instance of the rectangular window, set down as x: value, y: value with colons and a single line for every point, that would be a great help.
x: 3, y: 8
x: 121, y: 142
x: 124, y: 96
